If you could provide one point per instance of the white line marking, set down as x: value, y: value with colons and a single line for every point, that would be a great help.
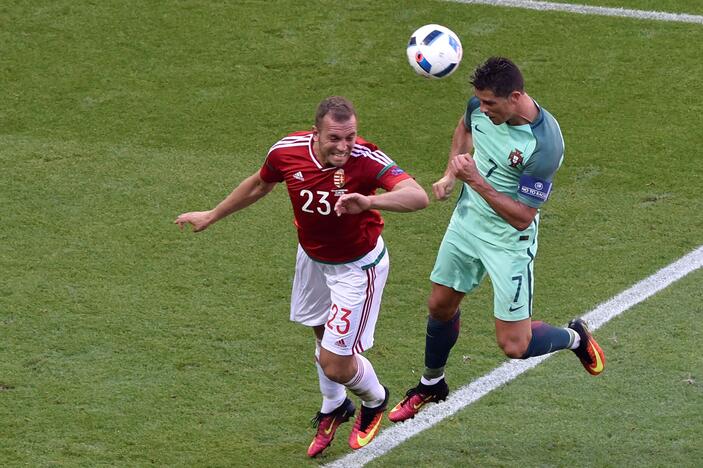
x: 591, y: 10
x: 393, y: 436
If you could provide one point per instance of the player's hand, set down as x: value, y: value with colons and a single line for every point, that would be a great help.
x: 200, y: 220
x: 443, y: 187
x: 464, y: 168
x: 352, y: 203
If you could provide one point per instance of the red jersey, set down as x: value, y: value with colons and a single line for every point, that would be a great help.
x: 314, y: 190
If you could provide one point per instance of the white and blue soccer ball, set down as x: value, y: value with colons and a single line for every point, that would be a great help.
x: 434, y: 51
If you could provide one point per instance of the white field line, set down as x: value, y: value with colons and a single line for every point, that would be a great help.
x: 464, y: 396
x: 591, y: 10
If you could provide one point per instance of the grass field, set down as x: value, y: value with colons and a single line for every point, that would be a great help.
x: 125, y: 342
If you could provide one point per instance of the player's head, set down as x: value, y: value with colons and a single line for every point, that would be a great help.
x: 334, y: 132
x: 498, y: 84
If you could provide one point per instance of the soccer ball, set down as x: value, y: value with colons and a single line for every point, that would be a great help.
x: 434, y: 51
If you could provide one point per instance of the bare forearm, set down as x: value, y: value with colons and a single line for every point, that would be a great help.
x: 517, y: 214
x: 410, y: 197
x: 245, y: 194
x: 462, y: 142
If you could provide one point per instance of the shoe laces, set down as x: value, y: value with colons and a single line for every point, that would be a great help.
x: 320, y: 417
x: 317, y: 419
x: 418, y: 390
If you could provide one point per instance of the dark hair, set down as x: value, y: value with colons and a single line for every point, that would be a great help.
x: 500, y: 75
x: 339, y: 107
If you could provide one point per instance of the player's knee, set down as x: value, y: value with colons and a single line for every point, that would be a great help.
x: 336, y: 376
x: 337, y: 372
x: 440, y: 310
x: 514, y: 347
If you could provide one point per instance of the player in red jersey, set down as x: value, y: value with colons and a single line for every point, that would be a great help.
x: 341, y: 266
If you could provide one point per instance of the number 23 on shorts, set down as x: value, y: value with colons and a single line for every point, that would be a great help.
x: 342, y: 322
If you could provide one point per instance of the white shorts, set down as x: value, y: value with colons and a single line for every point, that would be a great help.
x: 345, y: 298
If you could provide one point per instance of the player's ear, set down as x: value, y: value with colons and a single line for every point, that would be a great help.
x: 315, y: 134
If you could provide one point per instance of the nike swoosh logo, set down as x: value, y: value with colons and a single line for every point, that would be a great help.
x: 417, y: 406
x: 329, y: 430
x: 362, y: 441
x: 516, y: 308
x: 479, y: 130
x: 599, y: 363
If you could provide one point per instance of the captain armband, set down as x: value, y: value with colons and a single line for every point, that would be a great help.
x: 534, y: 189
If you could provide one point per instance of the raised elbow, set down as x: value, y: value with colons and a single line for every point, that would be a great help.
x: 415, y: 200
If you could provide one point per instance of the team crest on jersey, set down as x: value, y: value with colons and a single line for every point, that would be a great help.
x: 515, y: 158
x: 339, y: 178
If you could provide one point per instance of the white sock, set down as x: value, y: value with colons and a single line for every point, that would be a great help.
x: 365, y: 384
x: 436, y: 380
x: 333, y: 393
x: 576, y: 339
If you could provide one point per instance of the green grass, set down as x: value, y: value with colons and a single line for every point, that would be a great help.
x: 644, y: 409
x: 126, y: 342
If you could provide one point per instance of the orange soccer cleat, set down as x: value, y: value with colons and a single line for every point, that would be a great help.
x: 590, y: 354
x: 367, y: 424
x: 416, y: 398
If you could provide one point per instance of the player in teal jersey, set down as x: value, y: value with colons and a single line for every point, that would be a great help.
x: 505, y: 151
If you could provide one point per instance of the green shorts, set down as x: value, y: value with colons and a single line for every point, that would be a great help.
x: 463, y: 261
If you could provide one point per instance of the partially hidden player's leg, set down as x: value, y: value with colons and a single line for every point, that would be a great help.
x: 333, y: 393
x: 443, y: 326
x: 457, y: 271
x: 336, y: 407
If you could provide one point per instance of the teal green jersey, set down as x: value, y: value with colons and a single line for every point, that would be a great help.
x: 517, y: 160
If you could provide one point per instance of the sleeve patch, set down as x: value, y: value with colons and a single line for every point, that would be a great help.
x: 534, y: 189
x: 392, y: 170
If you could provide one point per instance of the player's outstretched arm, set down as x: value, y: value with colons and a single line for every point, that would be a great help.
x: 406, y: 195
x: 249, y: 191
x: 462, y: 142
